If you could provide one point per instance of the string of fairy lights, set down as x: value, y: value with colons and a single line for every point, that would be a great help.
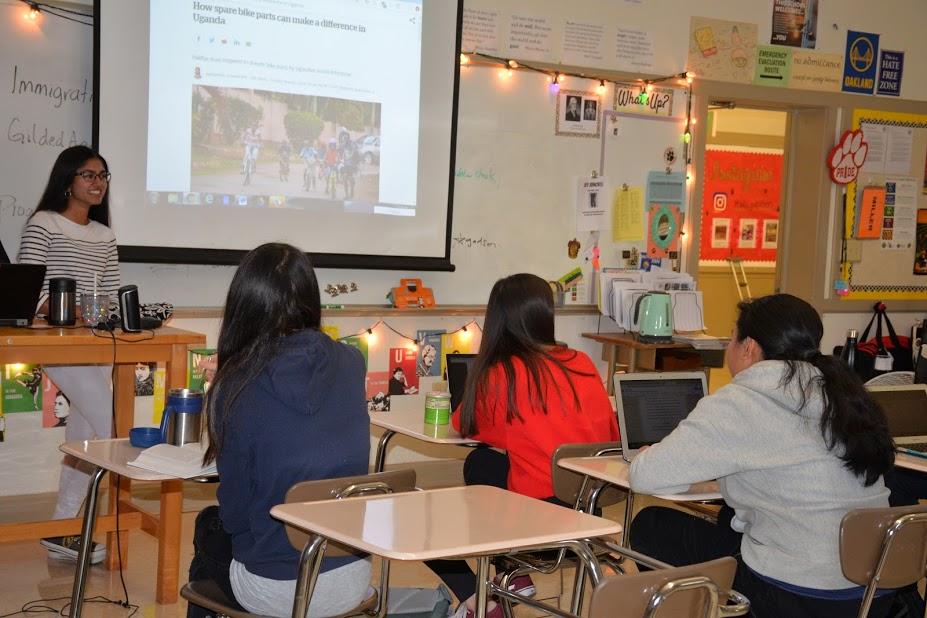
x: 555, y: 77
x: 413, y: 342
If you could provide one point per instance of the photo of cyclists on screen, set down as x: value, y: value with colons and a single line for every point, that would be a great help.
x: 279, y: 144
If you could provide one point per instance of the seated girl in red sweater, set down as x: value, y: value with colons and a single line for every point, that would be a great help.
x: 526, y: 394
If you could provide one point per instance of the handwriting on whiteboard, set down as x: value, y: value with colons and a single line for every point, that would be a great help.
x: 478, y: 174
x: 470, y: 243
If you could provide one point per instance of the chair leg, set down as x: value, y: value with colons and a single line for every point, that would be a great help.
x: 628, y: 515
x: 482, y: 581
x: 579, y: 585
x: 383, y: 592
x: 310, y: 561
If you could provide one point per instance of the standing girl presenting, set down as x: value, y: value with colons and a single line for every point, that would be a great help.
x: 69, y: 234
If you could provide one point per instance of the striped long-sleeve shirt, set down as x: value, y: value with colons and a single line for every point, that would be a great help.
x: 68, y: 249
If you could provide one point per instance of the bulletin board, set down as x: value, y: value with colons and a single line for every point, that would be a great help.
x: 894, y: 265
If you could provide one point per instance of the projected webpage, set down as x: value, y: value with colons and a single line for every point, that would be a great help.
x: 298, y: 104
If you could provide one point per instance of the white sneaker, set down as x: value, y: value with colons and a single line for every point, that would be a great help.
x: 68, y: 547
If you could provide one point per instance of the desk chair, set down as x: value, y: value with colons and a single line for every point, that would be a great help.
x: 883, y: 547
x: 570, y: 488
x: 207, y: 594
x: 695, y: 591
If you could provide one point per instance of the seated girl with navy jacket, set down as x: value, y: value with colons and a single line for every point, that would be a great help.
x: 287, y: 405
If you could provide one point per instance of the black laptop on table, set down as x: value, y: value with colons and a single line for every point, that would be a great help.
x: 458, y: 366
x: 20, y: 287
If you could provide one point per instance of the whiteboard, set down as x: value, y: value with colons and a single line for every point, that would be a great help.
x: 47, y: 73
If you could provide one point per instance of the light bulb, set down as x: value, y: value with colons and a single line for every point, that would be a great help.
x: 464, y: 59
x: 513, y: 64
x: 371, y: 337
x: 600, y: 89
x: 687, y: 137
x: 554, y: 88
x: 649, y: 88
x: 692, y: 121
x: 560, y: 77
x: 33, y: 13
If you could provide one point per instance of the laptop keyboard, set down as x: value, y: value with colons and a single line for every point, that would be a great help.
x: 916, y: 446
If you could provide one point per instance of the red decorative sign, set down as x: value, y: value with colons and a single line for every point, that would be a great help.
x: 847, y: 157
x: 740, y: 205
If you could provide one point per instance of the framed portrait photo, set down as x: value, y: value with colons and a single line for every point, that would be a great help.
x: 578, y: 114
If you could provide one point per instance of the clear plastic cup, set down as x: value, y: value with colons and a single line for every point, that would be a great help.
x: 94, y: 308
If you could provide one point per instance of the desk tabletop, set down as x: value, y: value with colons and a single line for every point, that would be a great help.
x: 630, y: 341
x: 443, y: 523
x: 42, y: 335
x: 613, y: 469
x: 113, y: 455
x: 911, y: 462
x: 410, y: 422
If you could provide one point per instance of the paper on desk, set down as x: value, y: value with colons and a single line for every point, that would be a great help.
x: 688, y: 311
x: 607, y: 299
x: 179, y: 461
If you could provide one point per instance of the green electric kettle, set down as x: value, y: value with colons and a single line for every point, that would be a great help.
x: 653, y: 317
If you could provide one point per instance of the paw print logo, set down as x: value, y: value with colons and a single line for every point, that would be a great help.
x: 847, y: 157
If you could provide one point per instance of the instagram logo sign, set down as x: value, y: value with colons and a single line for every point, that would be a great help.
x: 719, y: 202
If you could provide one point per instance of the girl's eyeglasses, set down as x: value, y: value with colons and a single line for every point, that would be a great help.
x: 88, y: 176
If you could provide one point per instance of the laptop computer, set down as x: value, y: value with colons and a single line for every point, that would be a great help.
x: 650, y: 405
x: 905, y: 408
x: 458, y: 365
x: 20, y: 286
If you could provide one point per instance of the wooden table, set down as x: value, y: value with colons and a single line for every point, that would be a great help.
x: 911, y: 462
x: 614, y: 470
x: 625, y: 348
x: 79, y: 346
x: 410, y: 422
x: 472, y: 521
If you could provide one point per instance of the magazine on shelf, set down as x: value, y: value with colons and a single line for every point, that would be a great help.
x: 181, y: 461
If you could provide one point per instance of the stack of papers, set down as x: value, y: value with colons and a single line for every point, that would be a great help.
x: 701, y: 341
x: 183, y: 462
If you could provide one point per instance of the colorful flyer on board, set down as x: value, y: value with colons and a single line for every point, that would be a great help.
x: 56, y: 407
x: 773, y: 66
x: 331, y: 330
x: 722, y: 50
x: 816, y: 71
x: 920, y: 250
x: 460, y: 342
x: 22, y: 388
x: 871, y: 213
x: 200, y: 368
x: 795, y: 23
x: 663, y: 230
x: 859, y: 62
x: 160, y: 385
x: 429, y: 342
x: 377, y: 389
x: 891, y: 65
x: 359, y: 342
x: 403, y: 380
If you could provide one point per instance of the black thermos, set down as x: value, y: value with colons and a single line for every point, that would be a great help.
x: 129, y: 309
x: 62, y: 295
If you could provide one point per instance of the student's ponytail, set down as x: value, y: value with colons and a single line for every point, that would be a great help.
x: 788, y: 329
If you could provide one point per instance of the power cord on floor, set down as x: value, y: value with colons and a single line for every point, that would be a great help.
x: 39, y: 607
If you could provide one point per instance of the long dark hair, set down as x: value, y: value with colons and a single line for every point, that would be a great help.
x: 789, y: 329
x: 519, y: 323
x: 274, y: 293
x: 55, y: 196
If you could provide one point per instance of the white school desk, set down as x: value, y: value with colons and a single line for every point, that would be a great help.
x: 79, y: 346
x: 472, y: 521
x: 614, y: 470
x: 113, y: 456
x: 411, y: 422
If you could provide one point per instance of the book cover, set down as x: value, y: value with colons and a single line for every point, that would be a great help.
x: 403, y: 379
x: 56, y: 407
x: 377, y: 388
x: 22, y: 388
x: 429, y: 352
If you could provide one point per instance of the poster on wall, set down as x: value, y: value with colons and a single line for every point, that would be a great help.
x: 403, y: 379
x: 663, y: 230
x: 722, y: 50
x: 56, y: 407
x: 377, y: 389
x: 577, y: 114
x: 591, y: 204
x: 22, y: 388
x: 429, y: 352
x: 742, y: 191
x: 920, y: 253
x: 859, y: 62
x: 795, y: 23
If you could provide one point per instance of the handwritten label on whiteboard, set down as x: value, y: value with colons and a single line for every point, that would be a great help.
x: 635, y: 99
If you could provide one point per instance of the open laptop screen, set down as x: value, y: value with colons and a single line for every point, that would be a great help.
x: 652, y: 405
x: 905, y: 408
x: 457, y: 367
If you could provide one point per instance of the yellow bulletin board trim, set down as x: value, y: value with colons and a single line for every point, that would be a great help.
x: 887, y: 291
